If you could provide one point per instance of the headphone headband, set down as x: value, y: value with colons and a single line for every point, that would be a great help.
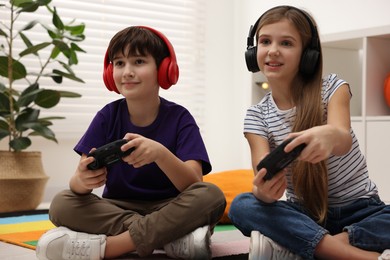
x: 310, y: 55
x: 168, y: 70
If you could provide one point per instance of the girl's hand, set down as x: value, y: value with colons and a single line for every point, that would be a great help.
x: 334, y: 137
x: 318, y: 140
x: 271, y: 190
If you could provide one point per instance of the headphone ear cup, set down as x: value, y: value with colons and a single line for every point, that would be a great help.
x: 108, y: 76
x: 168, y: 73
x: 309, y: 61
x: 251, y: 59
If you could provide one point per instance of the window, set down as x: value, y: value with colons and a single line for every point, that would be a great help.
x: 182, y: 21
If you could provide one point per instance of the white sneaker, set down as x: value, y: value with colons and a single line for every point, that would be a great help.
x: 63, y: 243
x: 195, y: 245
x: 385, y: 255
x: 264, y: 248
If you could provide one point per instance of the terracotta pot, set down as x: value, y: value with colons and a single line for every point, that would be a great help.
x: 22, y: 181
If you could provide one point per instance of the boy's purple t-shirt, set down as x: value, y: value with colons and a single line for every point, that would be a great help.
x: 174, y: 127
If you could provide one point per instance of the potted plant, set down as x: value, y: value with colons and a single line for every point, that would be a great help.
x: 22, y: 96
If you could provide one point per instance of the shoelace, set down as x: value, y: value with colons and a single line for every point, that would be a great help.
x: 77, y: 250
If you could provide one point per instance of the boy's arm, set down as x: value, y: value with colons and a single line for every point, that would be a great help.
x: 181, y: 173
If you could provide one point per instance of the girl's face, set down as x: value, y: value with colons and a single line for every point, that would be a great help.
x: 135, y: 76
x: 279, y: 50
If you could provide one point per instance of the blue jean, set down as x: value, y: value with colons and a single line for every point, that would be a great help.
x: 367, y: 222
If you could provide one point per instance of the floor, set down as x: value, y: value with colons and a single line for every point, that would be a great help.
x: 12, y: 252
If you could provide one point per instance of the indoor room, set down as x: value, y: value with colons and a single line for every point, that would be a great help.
x: 209, y: 40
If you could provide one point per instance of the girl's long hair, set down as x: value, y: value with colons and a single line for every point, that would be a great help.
x: 310, y: 181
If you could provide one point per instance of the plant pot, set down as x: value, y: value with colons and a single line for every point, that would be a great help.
x: 22, y: 181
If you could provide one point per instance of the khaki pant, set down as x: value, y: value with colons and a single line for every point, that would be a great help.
x: 151, y: 224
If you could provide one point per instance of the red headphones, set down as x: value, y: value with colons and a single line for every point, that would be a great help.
x: 168, y: 71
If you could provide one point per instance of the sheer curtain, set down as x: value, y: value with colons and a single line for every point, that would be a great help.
x: 182, y: 21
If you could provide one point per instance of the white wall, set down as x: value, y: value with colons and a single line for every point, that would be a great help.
x: 228, y: 82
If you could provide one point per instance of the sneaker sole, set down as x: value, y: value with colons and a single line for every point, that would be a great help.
x: 205, y: 234
x: 254, y: 246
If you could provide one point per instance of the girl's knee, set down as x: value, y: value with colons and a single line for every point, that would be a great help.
x: 238, y: 205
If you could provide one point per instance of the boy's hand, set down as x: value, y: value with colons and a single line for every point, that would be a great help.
x: 146, y: 150
x: 85, y: 180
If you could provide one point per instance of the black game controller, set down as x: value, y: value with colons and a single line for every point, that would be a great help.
x: 278, y: 159
x: 108, y: 154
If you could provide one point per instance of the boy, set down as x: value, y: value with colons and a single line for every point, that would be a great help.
x: 155, y: 198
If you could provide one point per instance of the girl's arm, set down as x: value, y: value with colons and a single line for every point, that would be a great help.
x: 339, y: 117
x: 259, y: 148
x: 332, y: 138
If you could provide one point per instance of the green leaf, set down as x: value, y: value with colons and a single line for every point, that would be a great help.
x: 4, y: 104
x: 3, y: 134
x: 43, y: 131
x: 76, y: 38
x: 73, y: 57
x: 75, y: 47
x: 69, y: 94
x: 4, y: 125
x: 67, y: 67
x: 34, y: 49
x: 4, y: 129
x: 29, y: 7
x: 26, y: 40
x: 55, y: 52
x: 47, y: 98
x: 57, y: 20
x: 45, y: 122
x: 46, y: 119
x: 20, y: 2
x: 29, y: 25
x: 76, y: 29
x: 18, y: 69
x: 26, y: 117
x: 2, y: 33
x: 63, y: 47
x: 28, y: 95
x: 20, y: 143
x: 57, y: 79
x: 43, y: 2
x: 67, y: 75
x: 53, y: 34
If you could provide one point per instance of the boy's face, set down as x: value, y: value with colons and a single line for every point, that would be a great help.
x: 135, y: 76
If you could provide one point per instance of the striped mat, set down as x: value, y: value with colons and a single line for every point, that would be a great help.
x: 24, y: 230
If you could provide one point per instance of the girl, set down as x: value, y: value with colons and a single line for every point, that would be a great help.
x: 333, y: 210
